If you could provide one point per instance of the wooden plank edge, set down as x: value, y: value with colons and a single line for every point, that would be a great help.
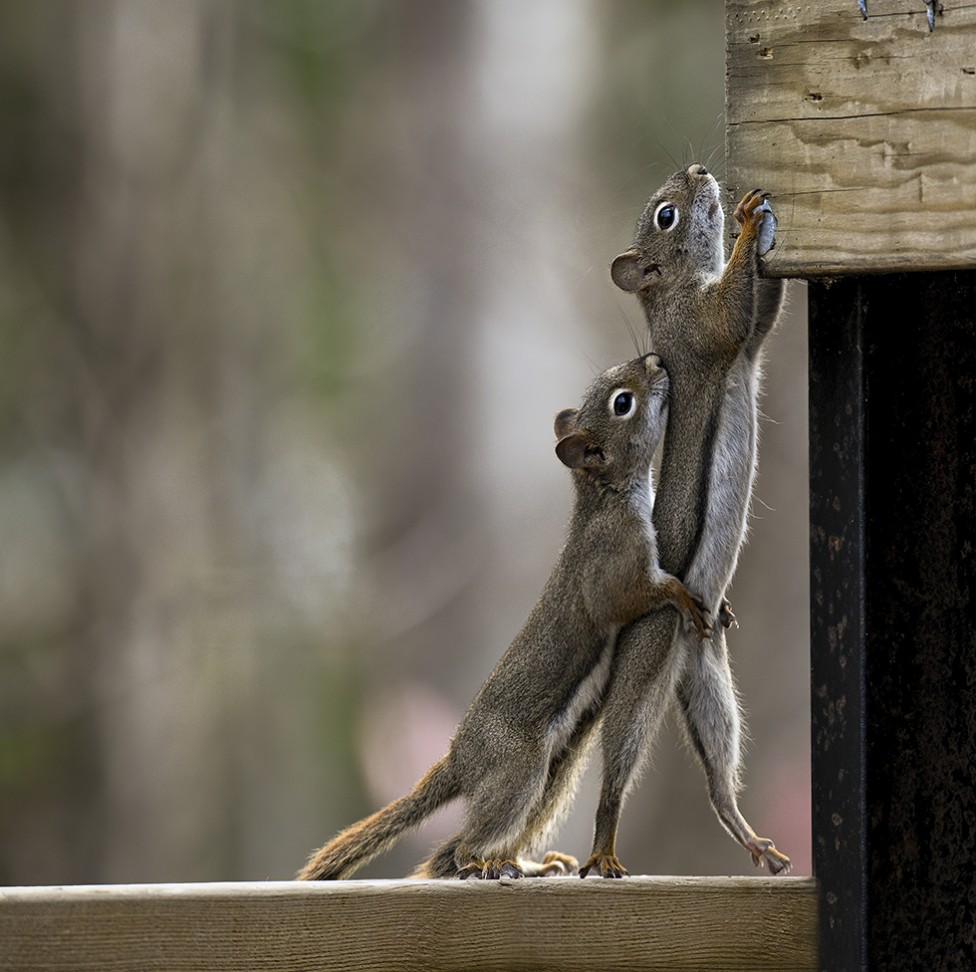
x: 797, y: 268
x: 641, y: 923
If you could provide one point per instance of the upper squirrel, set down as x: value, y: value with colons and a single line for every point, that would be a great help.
x: 520, y: 748
x: 708, y: 319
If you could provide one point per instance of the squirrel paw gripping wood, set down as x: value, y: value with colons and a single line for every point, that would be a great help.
x: 757, y: 218
x: 518, y: 754
x: 606, y: 865
x: 491, y: 870
x: 763, y: 851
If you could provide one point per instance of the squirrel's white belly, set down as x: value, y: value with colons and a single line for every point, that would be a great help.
x: 729, y: 490
x: 588, y: 693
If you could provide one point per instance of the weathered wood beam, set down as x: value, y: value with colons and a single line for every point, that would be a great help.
x: 864, y: 130
x: 562, y: 924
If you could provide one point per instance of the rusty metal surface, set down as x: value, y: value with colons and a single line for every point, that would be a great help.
x: 893, y: 622
x: 837, y: 554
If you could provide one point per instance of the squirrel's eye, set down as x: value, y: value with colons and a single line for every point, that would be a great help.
x: 666, y: 216
x: 623, y: 403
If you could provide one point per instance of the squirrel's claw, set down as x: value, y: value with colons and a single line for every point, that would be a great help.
x: 726, y: 616
x: 767, y: 230
x: 862, y: 6
x: 606, y: 865
x: 554, y: 864
x: 699, y: 619
x: 763, y: 851
x: 490, y: 870
x: 754, y: 211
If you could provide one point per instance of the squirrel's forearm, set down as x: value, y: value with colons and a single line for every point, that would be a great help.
x: 743, y: 301
x: 733, y: 297
x: 666, y: 590
x: 770, y: 292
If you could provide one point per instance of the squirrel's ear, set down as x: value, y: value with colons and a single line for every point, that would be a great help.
x: 564, y: 422
x: 577, y: 451
x: 632, y: 272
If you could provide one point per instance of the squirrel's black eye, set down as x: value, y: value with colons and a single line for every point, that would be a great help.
x: 666, y: 216
x: 623, y: 403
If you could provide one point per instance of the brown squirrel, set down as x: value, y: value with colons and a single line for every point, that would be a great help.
x: 521, y: 747
x: 707, y: 320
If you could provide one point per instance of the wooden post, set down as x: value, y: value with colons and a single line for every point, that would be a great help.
x: 866, y: 132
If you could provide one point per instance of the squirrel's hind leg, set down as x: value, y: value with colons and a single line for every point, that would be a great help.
x: 441, y: 863
x: 444, y: 863
x: 565, y: 772
x: 495, y: 825
x: 644, y: 675
x: 710, y: 710
x: 453, y: 860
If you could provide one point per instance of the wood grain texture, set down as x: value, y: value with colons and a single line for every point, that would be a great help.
x: 671, y: 924
x: 865, y: 131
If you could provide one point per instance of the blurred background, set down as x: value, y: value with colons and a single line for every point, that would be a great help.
x: 289, y: 294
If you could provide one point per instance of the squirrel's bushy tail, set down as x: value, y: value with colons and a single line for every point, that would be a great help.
x: 357, y: 845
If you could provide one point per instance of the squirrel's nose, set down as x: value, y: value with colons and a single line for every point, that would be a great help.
x: 697, y: 169
x: 652, y: 362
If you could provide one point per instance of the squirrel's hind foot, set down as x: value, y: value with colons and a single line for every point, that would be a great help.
x: 553, y: 864
x: 763, y: 851
x: 606, y: 865
x: 491, y: 870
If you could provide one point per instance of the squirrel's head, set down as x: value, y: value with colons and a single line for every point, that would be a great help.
x: 614, y: 434
x: 679, y: 235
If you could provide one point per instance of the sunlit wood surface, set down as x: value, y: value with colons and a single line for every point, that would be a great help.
x: 559, y: 924
x: 864, y: 130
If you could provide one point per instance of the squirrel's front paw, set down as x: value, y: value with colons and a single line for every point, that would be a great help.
x: 698, y: 619
x: 756, y: 216
x: 694, y: 614
x: 766, y: 239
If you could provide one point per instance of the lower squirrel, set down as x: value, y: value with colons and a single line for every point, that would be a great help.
x: 708, y: 320
x: 520, y: 749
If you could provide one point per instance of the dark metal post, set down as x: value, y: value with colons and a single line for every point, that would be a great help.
x: 893, y: 622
